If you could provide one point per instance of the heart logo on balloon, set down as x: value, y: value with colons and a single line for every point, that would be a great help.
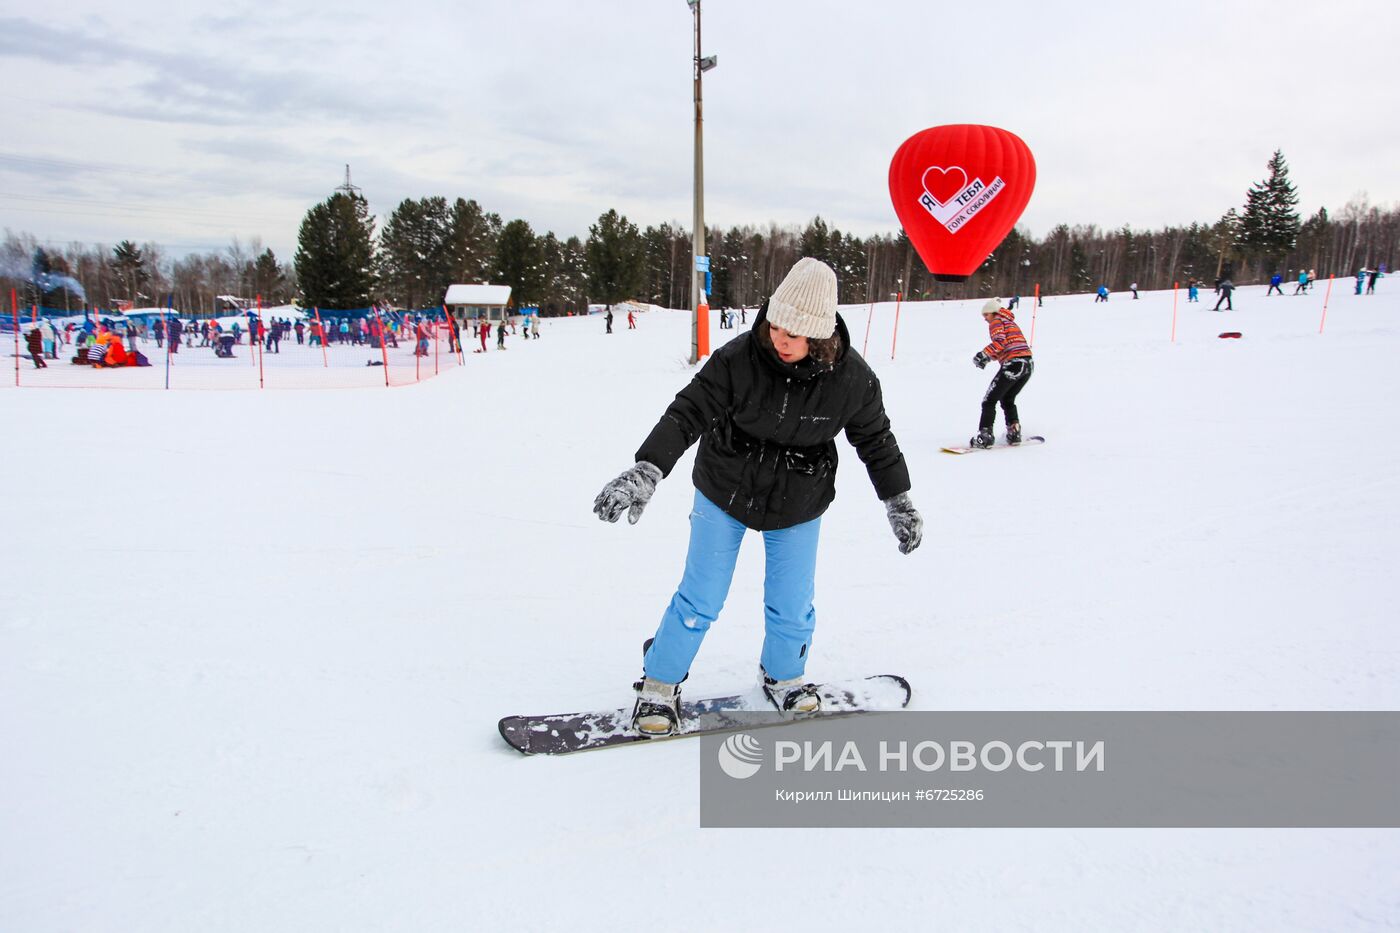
x: 958, y: 191
x: 944, y: 186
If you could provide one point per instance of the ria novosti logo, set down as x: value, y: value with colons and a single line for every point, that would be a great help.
x: 741, y: 756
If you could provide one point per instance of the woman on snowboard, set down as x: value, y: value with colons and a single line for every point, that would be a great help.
x: 766, y: 408
x: 1009, y: 348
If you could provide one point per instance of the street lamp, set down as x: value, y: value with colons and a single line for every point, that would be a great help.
x: 699, y: 314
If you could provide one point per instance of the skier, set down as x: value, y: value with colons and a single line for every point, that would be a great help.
x: 1360, y: 279
x: 1132, y: 288
x: 1224, y: 287
x: 631, y: 321
x: 1192, y: 291
x: 1302, y: 284
x: 501, y: 335
x: 1102, y: 294
x: 1275, y: 285
x: 609, y: 319
x: 1009, y: 348
x: 766, y: 409
x: 1371, y: 281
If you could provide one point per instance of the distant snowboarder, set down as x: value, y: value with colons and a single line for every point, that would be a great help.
x: 1009, y: 348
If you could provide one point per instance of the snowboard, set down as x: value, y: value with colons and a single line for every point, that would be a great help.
x: 564, y: 733
x: 1025, y: 442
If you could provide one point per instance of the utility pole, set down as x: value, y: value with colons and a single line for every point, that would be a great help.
x: 699, y: 314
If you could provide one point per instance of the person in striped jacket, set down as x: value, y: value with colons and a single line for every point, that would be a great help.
x: 1009, y: 348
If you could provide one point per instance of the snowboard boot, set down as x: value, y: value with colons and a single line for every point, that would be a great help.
x: 1013, y: 433
x: 658, y: 709
x: 983, y: 439
x: 791, y: 696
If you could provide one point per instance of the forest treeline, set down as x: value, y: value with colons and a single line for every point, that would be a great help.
x: 346, y: 260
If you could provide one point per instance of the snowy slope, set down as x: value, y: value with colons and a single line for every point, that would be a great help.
x: 253, y: 645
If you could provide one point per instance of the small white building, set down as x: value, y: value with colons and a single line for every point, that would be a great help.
x: 469, y: 302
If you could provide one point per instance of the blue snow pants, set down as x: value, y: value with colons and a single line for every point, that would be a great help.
x: 788, y: 589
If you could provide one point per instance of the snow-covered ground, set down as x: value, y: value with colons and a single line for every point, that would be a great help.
x: 253, y: 645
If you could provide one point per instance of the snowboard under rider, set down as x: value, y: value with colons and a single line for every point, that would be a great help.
x: 1009, y: 348
x: 766, y: 409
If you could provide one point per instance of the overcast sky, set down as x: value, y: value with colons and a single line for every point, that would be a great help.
x: 190, y: 124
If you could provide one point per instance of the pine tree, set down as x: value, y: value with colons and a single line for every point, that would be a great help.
x: 1270, y: 225
x: 520, y: 263
x: 269, y: 278
x: 471, y: 242
x: 415, y: 248
x: 335, y: 254
x: 615, y: 259
x: 130, y: 268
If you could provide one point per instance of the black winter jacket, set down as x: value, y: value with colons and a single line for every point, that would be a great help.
x: 767, y: 431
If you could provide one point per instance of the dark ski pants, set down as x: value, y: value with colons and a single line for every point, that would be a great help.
x: 1272, y: 289
x: 1224, y: 300
x: 1006, y: 385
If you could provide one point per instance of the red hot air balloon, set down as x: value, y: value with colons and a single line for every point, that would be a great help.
x: 958, y: 191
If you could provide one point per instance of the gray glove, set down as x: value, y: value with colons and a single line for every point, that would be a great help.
x: 630, y: 492
x: 908, y: 525
x: 981, y: 359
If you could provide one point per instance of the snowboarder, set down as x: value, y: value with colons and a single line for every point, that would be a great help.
x: 766, y: 409
x: 1009, y: 348
x: 1224, y: 288
x: 1275, y: 285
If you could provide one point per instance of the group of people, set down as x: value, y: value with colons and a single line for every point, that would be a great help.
x: 99, y: 345
x: 766, y: 409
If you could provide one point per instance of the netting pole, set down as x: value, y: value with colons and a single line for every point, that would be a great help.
x: 170, y: 306
x: 417, y: 357
x: 1325, y: 298
x: 869, y: 316
x: 899, y: 299
x: 1175, y: 286
x: 34, y: 314
x: 437, y: 343
x: 14, y: 308
x: 1035, y: 306
x: 257, y: 336
x: 383, y: 344
x: 317, y: 311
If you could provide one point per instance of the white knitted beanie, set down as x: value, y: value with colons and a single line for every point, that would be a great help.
x: 804, y: 304
x: 992, y: 306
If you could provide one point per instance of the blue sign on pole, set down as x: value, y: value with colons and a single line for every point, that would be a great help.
x: 702, y: 263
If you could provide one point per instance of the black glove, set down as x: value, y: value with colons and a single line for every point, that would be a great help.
x: 908, y: 525
x: 981, y: 359
x: 630, y: 492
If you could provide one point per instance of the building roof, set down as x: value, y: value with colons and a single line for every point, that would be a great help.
x: 477, y: 295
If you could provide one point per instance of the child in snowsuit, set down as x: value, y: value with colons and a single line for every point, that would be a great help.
x: 766, y: 409
x: 1009, y: 348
